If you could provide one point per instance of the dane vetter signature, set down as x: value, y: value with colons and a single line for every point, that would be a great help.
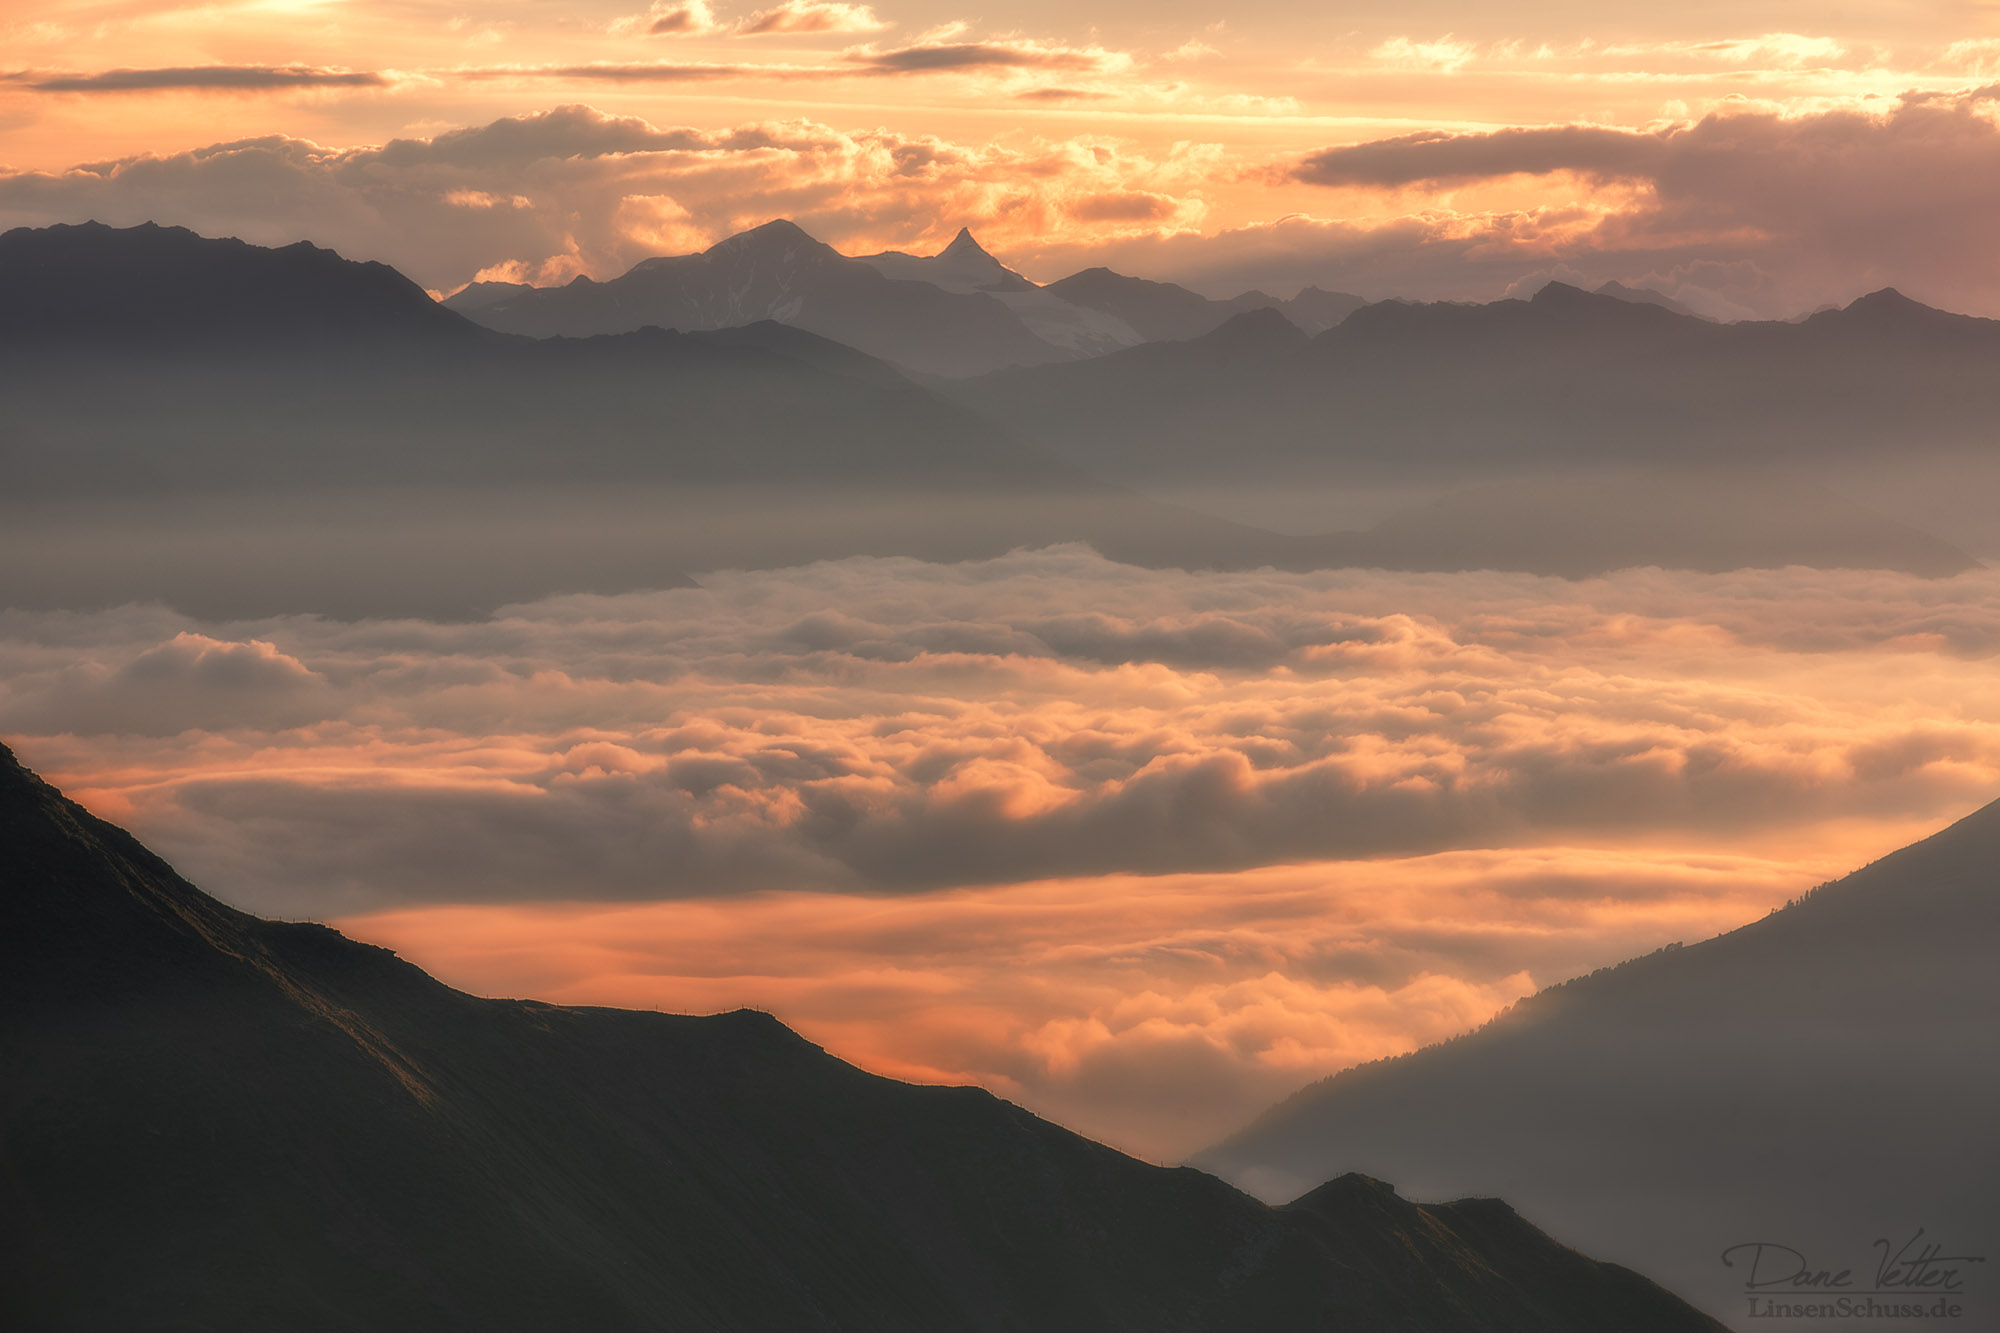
x: 1915, y: 1265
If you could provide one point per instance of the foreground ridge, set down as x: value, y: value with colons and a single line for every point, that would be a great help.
x: 219, y: 1121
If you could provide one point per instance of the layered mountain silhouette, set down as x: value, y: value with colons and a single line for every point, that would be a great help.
x: 1819, y: 1080
x: 174, y: 401
x: 778, y: 272
x: 1166, y: 312
x: 219, y: 1122
x: 1885, y: 397
x: 956, y: 313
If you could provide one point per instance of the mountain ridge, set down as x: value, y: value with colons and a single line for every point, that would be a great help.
x: 226, y: 1121
x: 1664, y: 1105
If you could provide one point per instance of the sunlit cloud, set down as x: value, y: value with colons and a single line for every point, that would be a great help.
x: 949, y: 56
x: 810, y: 16
x: 1443, y: 56
x: 205, y: 78
x: 1154, y: 1013
x: 571, y: 177
x: 1141, y: 849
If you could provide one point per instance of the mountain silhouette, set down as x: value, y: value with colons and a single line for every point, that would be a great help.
x: 956, y: 313
x: 219, y: 1122
x: 382, y: 455
x: 385, y: 456
x: 153, y: 288
x: 1817, y: 1079
x: 1885, y: 400
x: 1164, y: 311
x: 778, y: 272
x: 1643, y: 296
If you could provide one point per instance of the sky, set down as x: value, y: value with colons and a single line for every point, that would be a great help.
x: 1751, y: 160
x: 1142, y: 850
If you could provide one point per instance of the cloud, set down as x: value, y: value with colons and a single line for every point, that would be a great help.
x: 1155, y: 1014
x: 210, y: 78
x: 894, y: 727
x: 1443, y: 56
x: 947, y: 56
x: 1143, y: 865
x: 797, y: 17
x: 615, y: 72
x: 1438, y: 158
x: 690, y: 19
x: 584, y: 188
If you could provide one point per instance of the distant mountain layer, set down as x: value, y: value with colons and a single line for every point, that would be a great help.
x: 778, y: 272
x: 173, y: 402
x: 213, y: 1121
x: 382, y: 455
x: 956, y: 313
x: 1570, y: 377
x: 1819, y: 1080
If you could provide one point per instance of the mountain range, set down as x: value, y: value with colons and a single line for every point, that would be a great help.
x: 219, y: 1122
x: 1819, y: 1080
x: 958, y: 312
x: 173, y: 399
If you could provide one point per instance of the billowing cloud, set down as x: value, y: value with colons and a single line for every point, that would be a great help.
x: 799, y: 17
x: 893, y: 727
x: 1438, y: 158
x: 692, y: 18
x: 1823, y: 205
x: 583, y: 189
x: 1155, y: 1014
x: 209, y: 78
x: 1142, y: 849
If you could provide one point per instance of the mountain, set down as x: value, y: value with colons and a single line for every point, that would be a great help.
x: 381, y: 455
x: 778, y: 272
x: 1884, y: 398
x: 956, y: 313
x: 1643, y: 296
x: 1818, y: 1080
x: 1163, y: 311
x: 150, y: 288
x: 215, y: 1121
x: 963, y: 267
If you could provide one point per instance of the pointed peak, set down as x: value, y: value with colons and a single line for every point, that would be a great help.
x: 963, y: 246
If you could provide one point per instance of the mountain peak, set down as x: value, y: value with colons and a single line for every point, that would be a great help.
x: 168, y: 287
x: 777, y: 234
x: 964, y: 246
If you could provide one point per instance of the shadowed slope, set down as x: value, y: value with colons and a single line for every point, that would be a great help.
x: 1818, y: 1079
x: 220, y: 1122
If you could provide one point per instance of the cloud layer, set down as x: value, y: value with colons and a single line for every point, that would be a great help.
x: 1143, y: 866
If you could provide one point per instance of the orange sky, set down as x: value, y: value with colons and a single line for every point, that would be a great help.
x: 1170, y: 140
x: 1144, y: 850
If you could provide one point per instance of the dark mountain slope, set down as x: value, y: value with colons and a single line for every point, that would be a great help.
x: 1819, y: 1079
x: 151, y: 288
x: 213, y: 1121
